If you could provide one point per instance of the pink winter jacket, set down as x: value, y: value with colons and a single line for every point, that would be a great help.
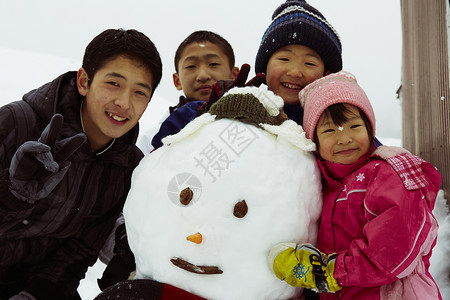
x: 377, y: 217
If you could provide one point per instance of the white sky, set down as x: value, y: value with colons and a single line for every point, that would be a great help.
x: 370, y: 32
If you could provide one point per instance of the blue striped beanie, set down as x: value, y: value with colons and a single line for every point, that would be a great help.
x: 295, y: 22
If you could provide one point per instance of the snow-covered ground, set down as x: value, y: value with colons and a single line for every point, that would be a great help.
x: 88, y: 288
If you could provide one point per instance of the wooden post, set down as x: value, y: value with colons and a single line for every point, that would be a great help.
x: 425, y: 84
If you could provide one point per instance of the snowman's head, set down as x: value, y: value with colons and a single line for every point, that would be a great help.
x: 204, y: 211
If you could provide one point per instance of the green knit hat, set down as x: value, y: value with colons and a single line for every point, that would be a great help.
x: 250, y: 105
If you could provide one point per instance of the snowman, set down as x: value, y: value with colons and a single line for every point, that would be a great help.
x: 204, y: 210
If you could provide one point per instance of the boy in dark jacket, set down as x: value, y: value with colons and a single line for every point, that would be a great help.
x: 202, y: 59
x: 66, y: 157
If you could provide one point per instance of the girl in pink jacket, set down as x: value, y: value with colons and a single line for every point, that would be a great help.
x: 377, y: 229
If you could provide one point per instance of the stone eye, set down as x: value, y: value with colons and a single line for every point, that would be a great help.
x: 186, y: 196
x: 240, y: 209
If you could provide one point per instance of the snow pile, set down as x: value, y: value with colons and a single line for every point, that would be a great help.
x: 440, y: 262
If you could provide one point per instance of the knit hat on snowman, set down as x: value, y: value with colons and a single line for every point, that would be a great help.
x: 252, y: 105
x: 340, y: 87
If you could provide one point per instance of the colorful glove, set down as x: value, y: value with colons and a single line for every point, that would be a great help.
x: 38, y: 166
x: 305, y: 266
x: 222, y: 86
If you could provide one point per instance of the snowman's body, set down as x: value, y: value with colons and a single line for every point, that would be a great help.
x: 223, y: 162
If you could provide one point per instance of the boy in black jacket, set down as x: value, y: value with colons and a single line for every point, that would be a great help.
x: 202, y: 59
x: 67, y: 153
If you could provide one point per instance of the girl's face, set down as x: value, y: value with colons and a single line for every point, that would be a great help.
x: 343, y: 144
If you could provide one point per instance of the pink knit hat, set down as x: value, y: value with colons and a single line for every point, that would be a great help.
x: 340, y: 87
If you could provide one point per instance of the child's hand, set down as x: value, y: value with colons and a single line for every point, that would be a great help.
x: 305, y: 266
x: 222, y: 86
x: 38, y: 166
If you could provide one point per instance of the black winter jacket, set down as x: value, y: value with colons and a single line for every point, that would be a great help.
x: 51, y: 244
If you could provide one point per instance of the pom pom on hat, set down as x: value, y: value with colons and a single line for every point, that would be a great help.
x: 295, y: 22
x: 340, y: 87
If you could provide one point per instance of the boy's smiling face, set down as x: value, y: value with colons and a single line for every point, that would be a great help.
x: 200, y: 66
x: 115, y: 99
x: 291, y: 68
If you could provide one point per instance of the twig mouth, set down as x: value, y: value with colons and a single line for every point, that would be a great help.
x: 206, y: 270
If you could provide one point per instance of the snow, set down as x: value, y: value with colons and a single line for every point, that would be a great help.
x: 440, y: 262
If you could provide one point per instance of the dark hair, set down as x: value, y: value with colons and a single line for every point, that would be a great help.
x: 340, y: 114
x: 205, y: 36
x: 130, y: 43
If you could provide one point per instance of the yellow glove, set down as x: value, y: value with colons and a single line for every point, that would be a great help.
x: 332, y: 283
x: 305, y: 266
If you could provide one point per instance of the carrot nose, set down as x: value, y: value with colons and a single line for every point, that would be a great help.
x: 195, y: 238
